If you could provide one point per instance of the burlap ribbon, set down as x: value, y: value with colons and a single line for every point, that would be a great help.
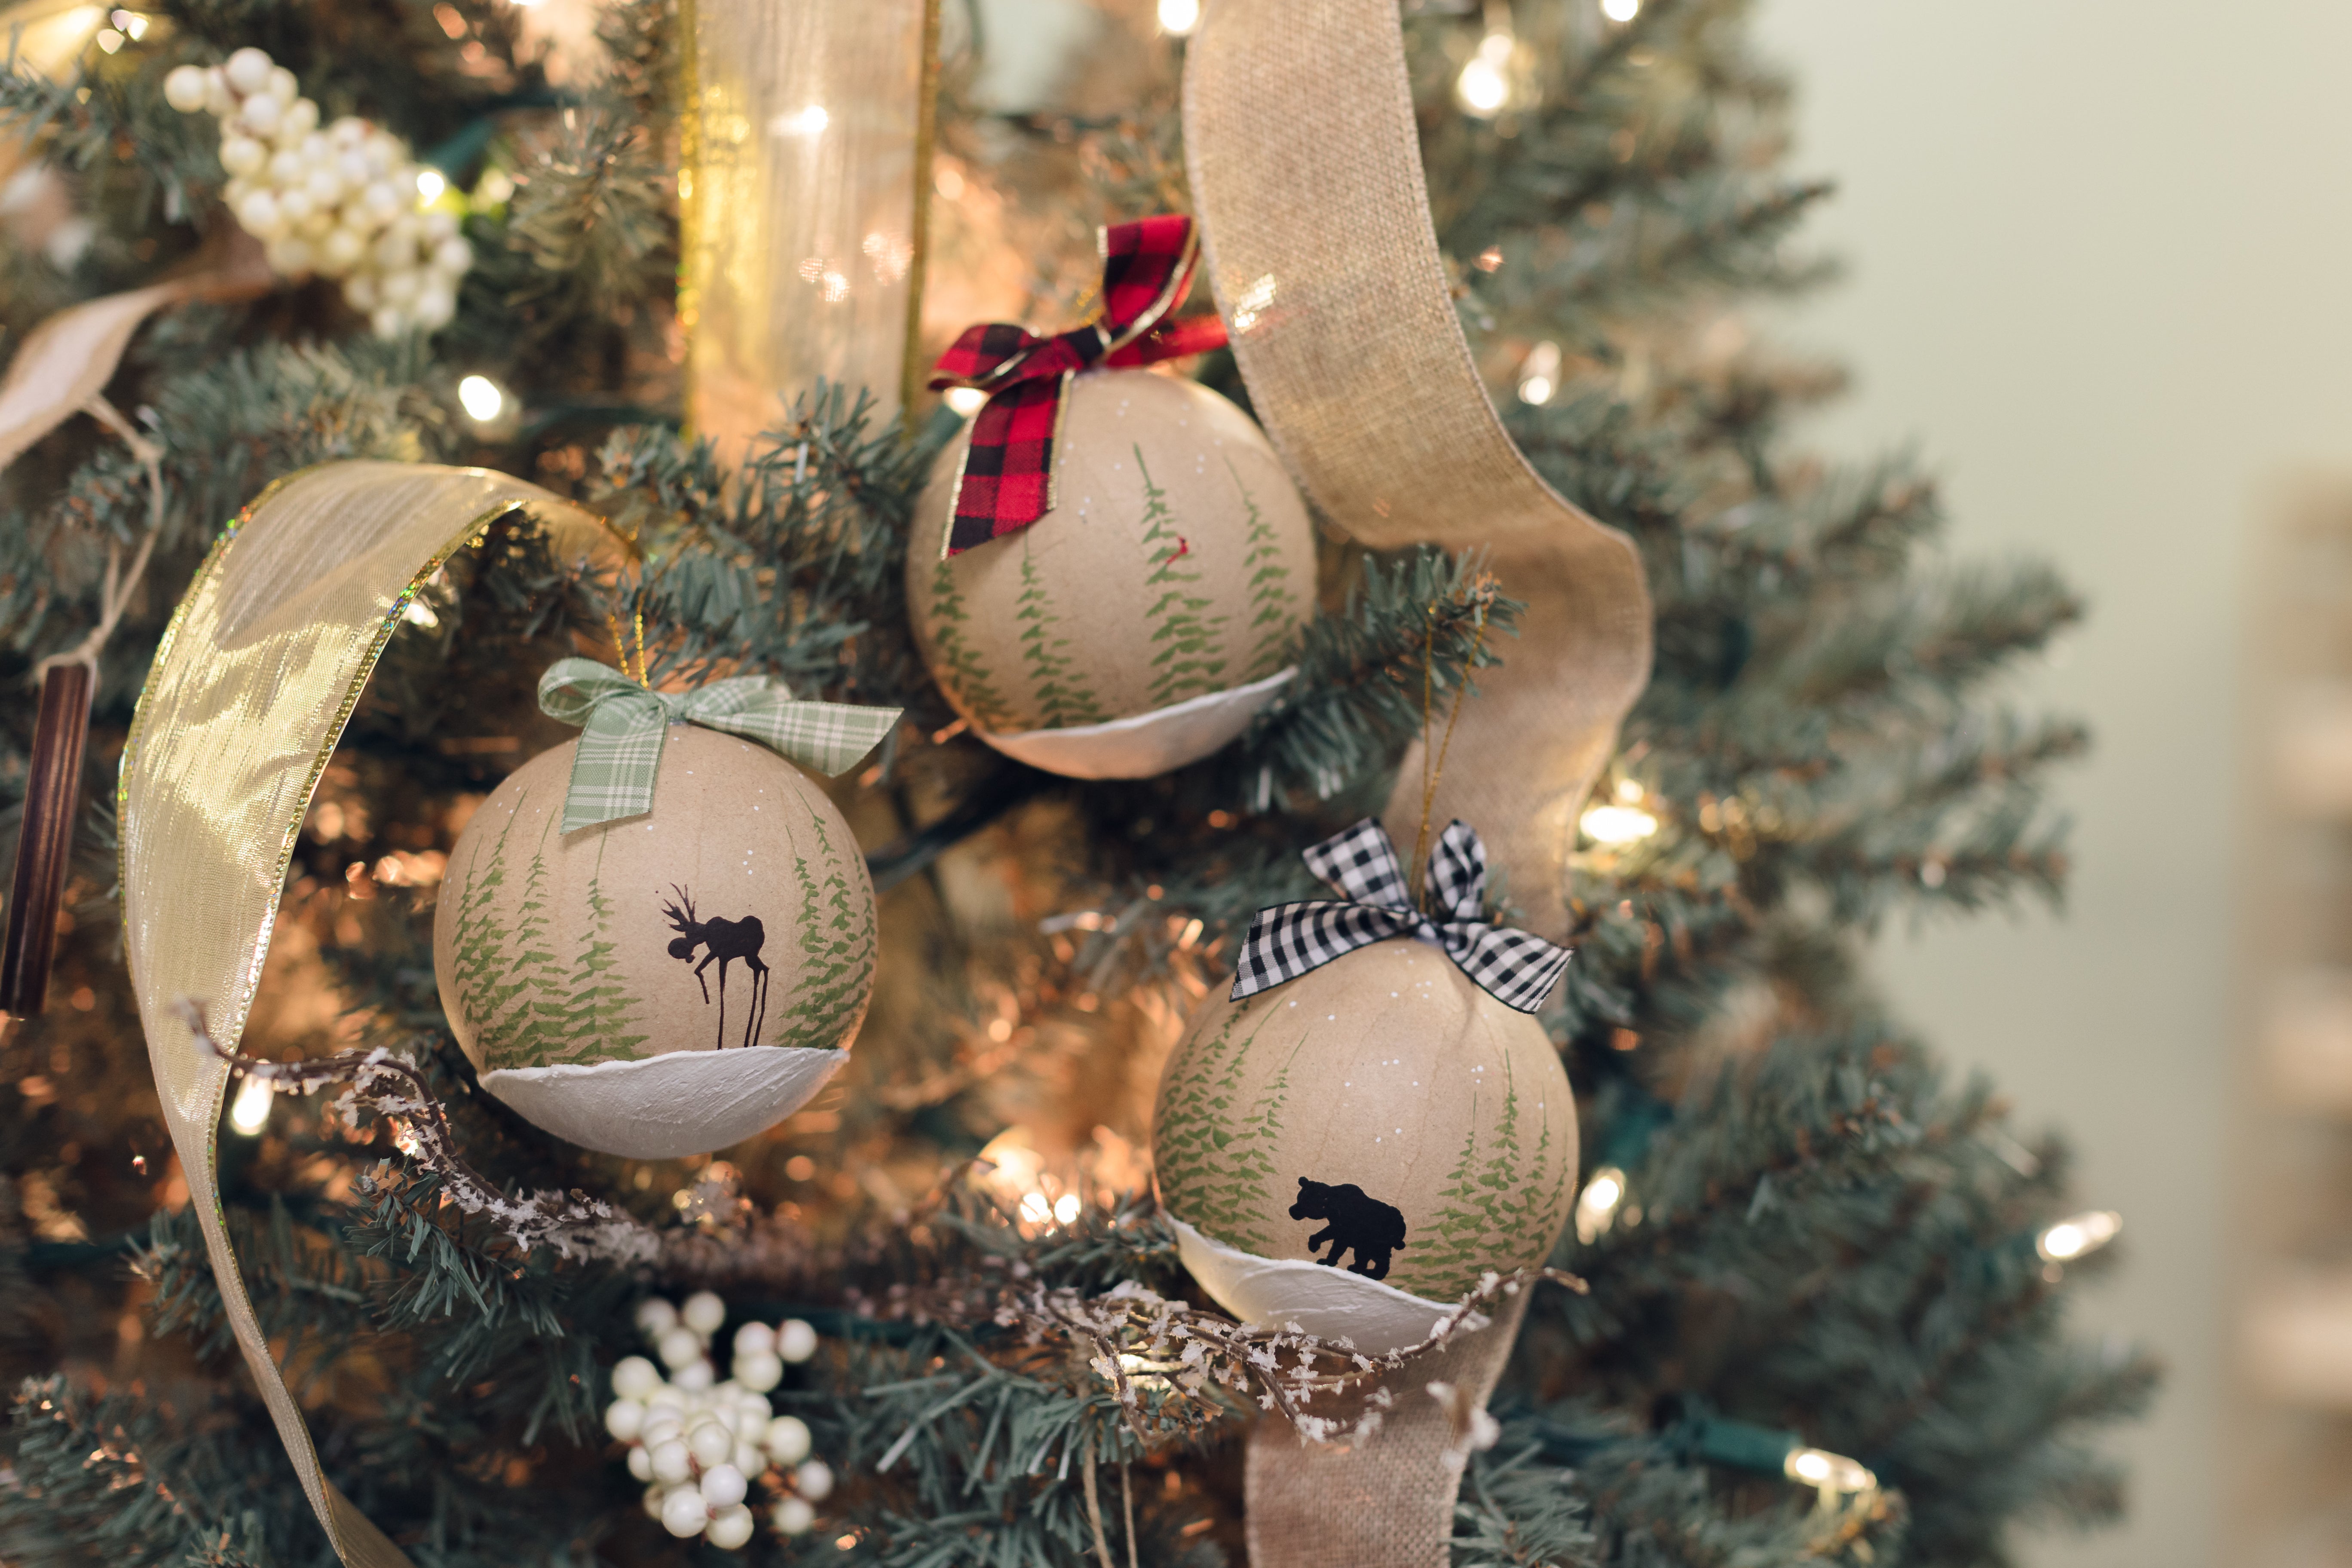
x: 249, y: 692
x: 1323, y: 256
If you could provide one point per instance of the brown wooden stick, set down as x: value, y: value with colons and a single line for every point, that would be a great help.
x: 45, y: 839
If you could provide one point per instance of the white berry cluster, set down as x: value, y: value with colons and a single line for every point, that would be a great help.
x: 339, y: 200
x: 700, y: 1443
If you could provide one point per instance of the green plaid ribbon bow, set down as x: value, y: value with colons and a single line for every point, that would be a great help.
x: 622, y: 725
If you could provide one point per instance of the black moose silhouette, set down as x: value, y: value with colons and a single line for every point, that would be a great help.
x: 1364, y: 1225
x: 727, y: 940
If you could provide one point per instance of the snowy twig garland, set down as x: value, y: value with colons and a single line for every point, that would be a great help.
x: 701, y: 1446
x: 576, y: 1225
x: 1153, y: 1351
x: 342, y: 200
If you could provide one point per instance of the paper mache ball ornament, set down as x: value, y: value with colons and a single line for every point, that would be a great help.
x: 1373, y: 1118
x: 659, y: 939
x: 1106, y: 567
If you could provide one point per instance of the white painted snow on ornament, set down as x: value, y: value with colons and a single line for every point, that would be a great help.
x: 1146, y: 745
x: 678, y: 1103
x: 1329, y: 1303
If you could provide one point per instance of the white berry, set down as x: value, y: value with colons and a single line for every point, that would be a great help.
x: 760, y: 1373
x: 282, y: 86
x: 261, y: 114
x: 710, y: 1443
x: 248, y: 70
x: 184, y: 89
x: 703, y: 1313
x: 625, y: 1419
x: 794, y: 1517
x: 753, y: 1339
x: 787, y: 1440
x: 723, y: 1486
x: 633, y: 1377
x: 813, y: 1480
x: 641, y: 1464
x: 242, y: 155
x: 694, y: 1379
x: 654, y: 1496
x: 220, y: 98
x: 684, y: 1512
x: 671, y: 1462
x: 795, y: 1340
x: 730, y: 1528
x: 748, y: 1457
x: 677, y: 1347
x: 301, y: 118
x: 259, y: 214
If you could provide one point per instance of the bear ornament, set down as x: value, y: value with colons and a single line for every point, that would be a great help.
x: 1371, y: 1122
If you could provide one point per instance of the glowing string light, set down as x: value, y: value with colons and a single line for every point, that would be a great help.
x: 250, y: 1112
x: 2078, y: 1236
x: 1179, y: 18
x: 482, y: 399
x: 1596, y: 1206
x: 1540, y: 374
x: 1483, y: 88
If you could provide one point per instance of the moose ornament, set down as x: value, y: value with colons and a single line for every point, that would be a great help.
x: 659, y: 939
x: 1373, y: 1118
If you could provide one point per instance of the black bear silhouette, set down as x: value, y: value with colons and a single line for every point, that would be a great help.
x: 1363, y: 1225
x: 727, y: 940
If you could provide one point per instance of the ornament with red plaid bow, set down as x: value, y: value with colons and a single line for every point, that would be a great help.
x: 1007, y: 479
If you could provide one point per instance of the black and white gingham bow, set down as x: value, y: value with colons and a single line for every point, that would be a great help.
x: 1517, y: 968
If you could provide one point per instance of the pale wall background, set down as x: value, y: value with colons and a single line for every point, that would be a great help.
x: 2099, y: 275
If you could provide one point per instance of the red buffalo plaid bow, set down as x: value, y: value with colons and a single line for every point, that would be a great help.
x: 1007, y: 482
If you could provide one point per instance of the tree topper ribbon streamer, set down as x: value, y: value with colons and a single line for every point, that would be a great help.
x: 622, y: 725
x: 1007, y: 482
x: 1517, y: 968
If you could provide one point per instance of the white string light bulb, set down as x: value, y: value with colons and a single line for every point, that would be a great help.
x: 701, y: 1446
x: 2078, y: 1236
x: 344, y: 201
x: 1596, y: 1206
x: 1483, y: 87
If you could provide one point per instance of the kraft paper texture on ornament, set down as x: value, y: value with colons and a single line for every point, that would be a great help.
x: 1141, y: 624
x: 248, y: 694
x: 1382, y: 1113
x: 615, y: 1040
x: 796, y: 198
x: 1323, y: 259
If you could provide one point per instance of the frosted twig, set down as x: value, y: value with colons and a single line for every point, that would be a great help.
x: 1155, y: 1352
x: 575, y: 1224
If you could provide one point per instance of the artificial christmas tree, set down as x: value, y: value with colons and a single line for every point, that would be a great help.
x: 1803, y: 1313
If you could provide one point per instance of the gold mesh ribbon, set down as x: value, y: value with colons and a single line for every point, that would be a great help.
x: 1305, y: 171
x: 1324, y: 263
x: 797, y: 199
x: 249, y: 694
